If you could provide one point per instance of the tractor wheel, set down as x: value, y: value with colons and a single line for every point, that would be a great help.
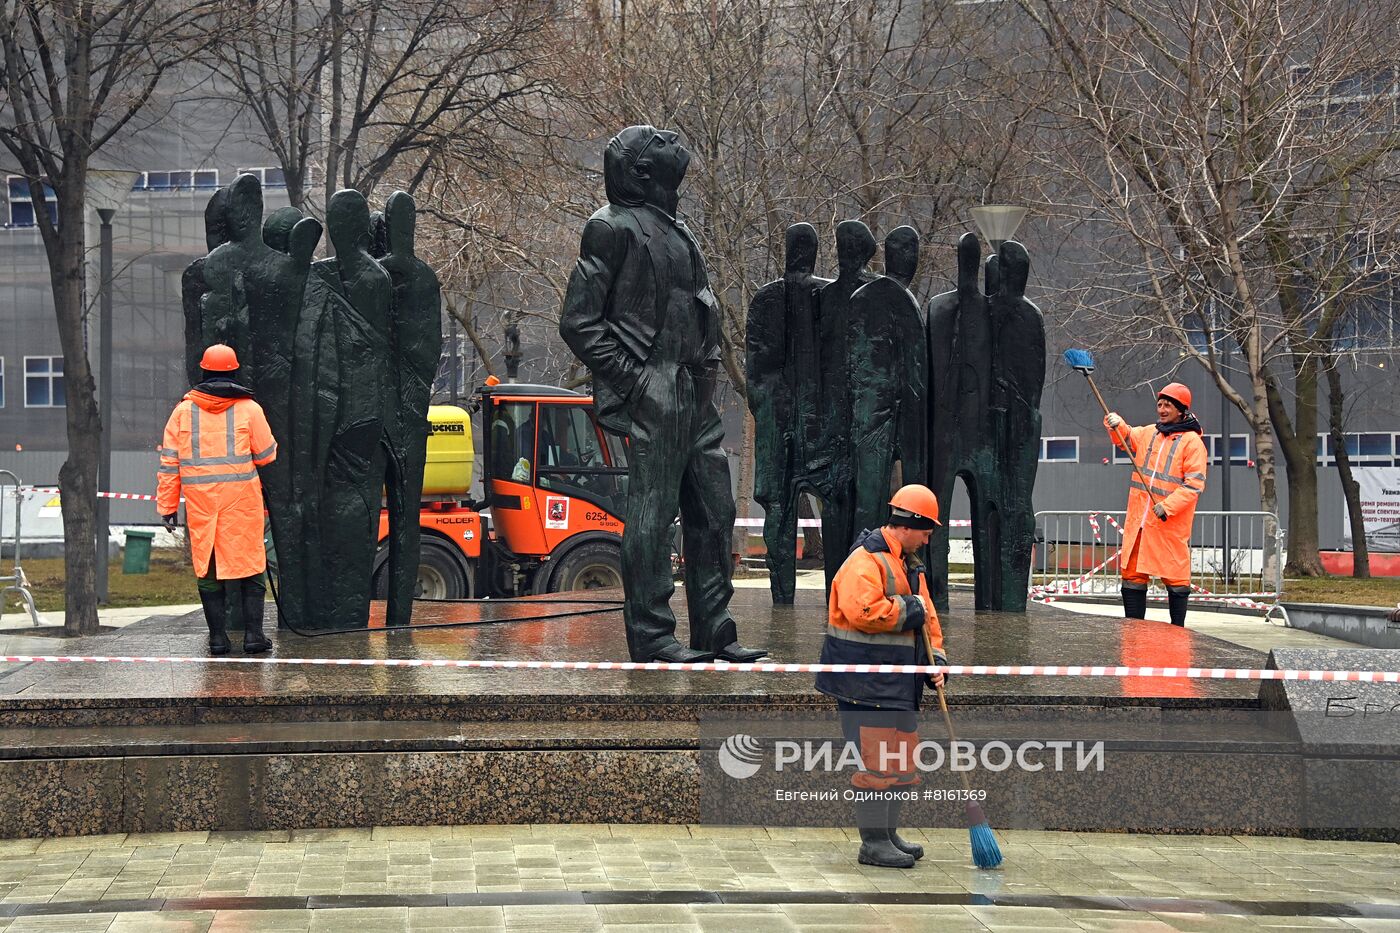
x: 440, y: 576
x: 592, y: 566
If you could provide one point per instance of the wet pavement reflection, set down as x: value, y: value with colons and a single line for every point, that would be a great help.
x: 590, y: 628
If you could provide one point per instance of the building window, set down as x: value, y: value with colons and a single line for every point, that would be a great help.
x: 22, y: 205
x: 1362, y: 101
x: 43, y: 382
x: 273, y: 177
x: 1365, y: 448
x: 1059, y: 450
x: 1239, y: 449
x: 201, y: 179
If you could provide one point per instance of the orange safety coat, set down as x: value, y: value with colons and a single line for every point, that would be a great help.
x: 1175, y: 467
x: 874, y: 618
x: 211, y: 450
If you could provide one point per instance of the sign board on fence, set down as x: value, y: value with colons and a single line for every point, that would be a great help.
x: 1380, y: 507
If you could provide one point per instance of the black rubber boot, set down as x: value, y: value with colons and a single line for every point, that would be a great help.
x: 875, y: 845
x: 1134, y: 603
x: 254, y: 641
x: 216, y: 615
x: 1178, y: 597
x: 903, y: 845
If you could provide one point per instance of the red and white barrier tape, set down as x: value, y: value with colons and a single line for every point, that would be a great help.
x: 739, y: 522
x: 817, y: 523
x: 1006, y: 670
x: 100, y: 495
x: 1070, y: 586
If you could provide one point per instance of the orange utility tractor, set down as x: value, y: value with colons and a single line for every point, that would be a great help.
x: 554, y: 486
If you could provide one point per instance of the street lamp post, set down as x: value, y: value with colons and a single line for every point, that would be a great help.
x: 998, y: 222
x: 106, y: 192
x: 1224, y: 462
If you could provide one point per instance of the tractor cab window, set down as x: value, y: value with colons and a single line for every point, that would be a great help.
x: 578, y: 459
x: 513, y: 441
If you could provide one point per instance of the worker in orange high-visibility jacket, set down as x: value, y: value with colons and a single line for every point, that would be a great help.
x: 1171, y: 460
x: 215, y: 439
x: 879, y: 609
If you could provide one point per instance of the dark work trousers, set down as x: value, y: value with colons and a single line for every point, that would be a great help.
x: 676, y: 457
x: 233, y: 591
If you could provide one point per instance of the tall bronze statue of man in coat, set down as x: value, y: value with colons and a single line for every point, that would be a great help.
x: 640, y: 313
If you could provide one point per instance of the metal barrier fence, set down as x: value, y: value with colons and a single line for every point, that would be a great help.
x: 1232, y: 553
x: 15, y: 581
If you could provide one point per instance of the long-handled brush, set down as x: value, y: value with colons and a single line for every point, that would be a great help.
x: 1083, y: 361
x: 985, y: 851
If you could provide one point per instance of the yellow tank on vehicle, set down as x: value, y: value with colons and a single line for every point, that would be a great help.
x: 451, y: 456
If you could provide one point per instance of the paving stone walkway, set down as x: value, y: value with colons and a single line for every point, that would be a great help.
x: 675, y: 878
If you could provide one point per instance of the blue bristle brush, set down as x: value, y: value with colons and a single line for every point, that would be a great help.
x: 985, y: 851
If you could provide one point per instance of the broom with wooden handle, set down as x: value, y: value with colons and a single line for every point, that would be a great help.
x: 985, y: 851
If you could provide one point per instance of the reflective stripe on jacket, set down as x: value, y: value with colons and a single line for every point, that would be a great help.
x: 1174, y: 467
x: 875, y: 618
x: 211, y: 451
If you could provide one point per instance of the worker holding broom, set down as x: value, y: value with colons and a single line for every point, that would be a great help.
x: 1169, y: 476
x: 880, y: 613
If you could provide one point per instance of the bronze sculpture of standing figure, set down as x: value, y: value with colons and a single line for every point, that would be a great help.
x: 640, y: 314
x: 781, y: 355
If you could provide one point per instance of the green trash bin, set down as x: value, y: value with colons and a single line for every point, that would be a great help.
x: 137, y: 557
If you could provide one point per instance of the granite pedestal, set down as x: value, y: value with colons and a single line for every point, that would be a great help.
x: 121, y: 747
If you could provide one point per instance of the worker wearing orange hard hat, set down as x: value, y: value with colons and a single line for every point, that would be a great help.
x: 1162, y: 496
x: 880, y: 606
x: 215, y: 440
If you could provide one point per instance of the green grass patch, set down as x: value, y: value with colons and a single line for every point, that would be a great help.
x: 170, y: 582
x: 1345, y: 591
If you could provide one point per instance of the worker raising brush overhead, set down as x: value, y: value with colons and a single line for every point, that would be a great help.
x: 1169, y: 475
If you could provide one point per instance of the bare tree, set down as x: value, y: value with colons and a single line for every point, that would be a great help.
x: 76, y: 74
x: 380, y: 90
x: 814, y: 110
x: 1234, y: 180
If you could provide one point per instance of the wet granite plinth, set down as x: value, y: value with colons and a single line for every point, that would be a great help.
x: 120, y: 747
x: 250, y: 792
x: 1349, y: 740
x: 589, y: 630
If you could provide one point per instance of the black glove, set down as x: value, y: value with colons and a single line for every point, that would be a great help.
x: 914, y: 617
x: 171, y: 521
x: 1160, y: 511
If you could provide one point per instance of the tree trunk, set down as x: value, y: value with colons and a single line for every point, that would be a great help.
x: 337, y: 102
x: 743, y: 498
x: 1298, y: 438
x: 1351, y: 489
x: 1264, y: 462
x: 77, y: 478
x: 1303, y: 558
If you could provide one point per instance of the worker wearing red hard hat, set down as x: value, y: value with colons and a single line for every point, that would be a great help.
x: 1162, y: 496
x: 215, y: 440
x: 879, y: 608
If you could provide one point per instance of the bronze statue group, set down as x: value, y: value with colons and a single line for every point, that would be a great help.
x: 847, y: 378
x: 341, y: 355
x: 854, y: 386
x: 850, y: 376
